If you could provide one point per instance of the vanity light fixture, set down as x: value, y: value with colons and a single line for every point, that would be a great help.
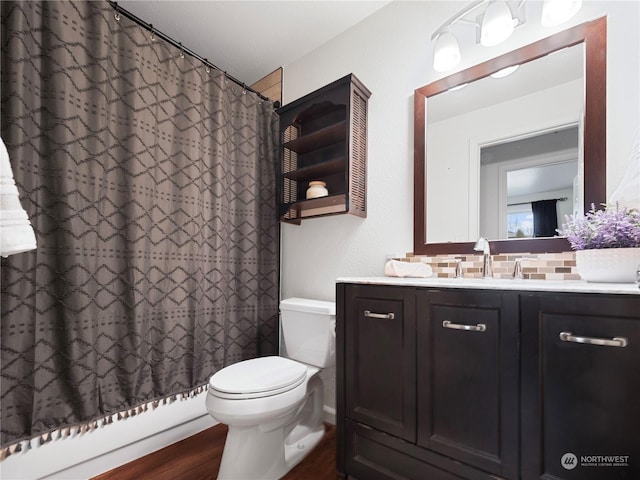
x: 505, y: 72
x: 497, y: 24
x: 494, y: 25
x: 447, y: 52
x: 555, y: 12
x: 459, y: 87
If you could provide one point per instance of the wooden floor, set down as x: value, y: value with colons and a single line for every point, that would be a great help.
x: 198, y: 458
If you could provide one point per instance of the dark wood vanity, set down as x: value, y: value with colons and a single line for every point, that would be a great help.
x: 470, y: 383
x: 443, y: 379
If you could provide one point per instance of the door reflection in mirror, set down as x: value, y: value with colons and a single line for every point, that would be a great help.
x: 517, y: 172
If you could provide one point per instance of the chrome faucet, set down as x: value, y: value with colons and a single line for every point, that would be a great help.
x: 460, y: 272
x: 517, y: 269
x: 483, y: 245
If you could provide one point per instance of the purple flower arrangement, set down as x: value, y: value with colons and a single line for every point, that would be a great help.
x: 613, y: 227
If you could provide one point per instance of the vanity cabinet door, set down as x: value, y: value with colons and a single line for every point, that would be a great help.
x: 467, y: 377
x: 380, y: 358
x: 581, y: 386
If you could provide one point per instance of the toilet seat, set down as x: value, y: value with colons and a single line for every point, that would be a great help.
x: 258, y: 377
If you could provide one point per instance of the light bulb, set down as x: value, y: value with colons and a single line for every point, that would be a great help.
x: 555, y: 12
x: 497, y: 24
x: 446, y: 53
x: 505, y: 71
x: 459, y: 87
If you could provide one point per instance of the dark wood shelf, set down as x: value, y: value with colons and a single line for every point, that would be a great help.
x: 320, y: 138
x: 321, y: 206
x: 317, y: 171
x: 321, y: 109
x: 331, y: 126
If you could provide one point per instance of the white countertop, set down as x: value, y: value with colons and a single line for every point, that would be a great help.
x: 577, y: 286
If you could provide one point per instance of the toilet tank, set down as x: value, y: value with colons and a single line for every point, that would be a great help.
x: 308, y: 329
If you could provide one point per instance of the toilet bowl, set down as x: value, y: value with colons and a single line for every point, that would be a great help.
x: 273, y: 405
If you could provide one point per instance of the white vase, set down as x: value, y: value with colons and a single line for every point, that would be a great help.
x: 317, y: 189
x: 610, y: 265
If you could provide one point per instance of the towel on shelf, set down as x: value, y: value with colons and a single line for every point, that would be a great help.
x: 395, y: 268
x: 16, y: 232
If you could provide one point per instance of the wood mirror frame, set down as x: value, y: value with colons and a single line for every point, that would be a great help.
x: 594, y: 36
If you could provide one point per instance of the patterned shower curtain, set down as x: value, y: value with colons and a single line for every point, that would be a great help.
x: 150, y: 183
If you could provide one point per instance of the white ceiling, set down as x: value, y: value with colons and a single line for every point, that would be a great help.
x: 250, y: 38
x: 540, y: 179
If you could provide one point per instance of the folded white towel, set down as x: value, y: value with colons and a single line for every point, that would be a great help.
x: 395, y: 268
x: 16, y: 232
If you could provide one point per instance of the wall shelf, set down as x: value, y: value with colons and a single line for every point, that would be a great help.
x: 320, y: 206
x: 323, y: 136
x: 318, y: 170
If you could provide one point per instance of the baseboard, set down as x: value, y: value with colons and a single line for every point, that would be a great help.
x: 90, y: 454
x: 329, y: 414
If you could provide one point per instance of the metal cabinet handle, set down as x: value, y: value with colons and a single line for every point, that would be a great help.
x: 614, y: 342
x: 480, y: 327
x: 386, y: 316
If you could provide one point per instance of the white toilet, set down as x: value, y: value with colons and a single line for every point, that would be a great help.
x: 273, y: 405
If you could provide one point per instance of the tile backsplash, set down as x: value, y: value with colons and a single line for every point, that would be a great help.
x: 540, y: 266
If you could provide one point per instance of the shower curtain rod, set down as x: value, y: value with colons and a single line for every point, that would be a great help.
x: 168, y: 39
x: 561, y: 199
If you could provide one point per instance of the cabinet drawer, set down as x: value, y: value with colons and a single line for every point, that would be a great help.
x: 373, y: 455
x: 380, y: 358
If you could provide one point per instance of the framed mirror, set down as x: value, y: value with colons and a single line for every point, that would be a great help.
x: 589, y: 40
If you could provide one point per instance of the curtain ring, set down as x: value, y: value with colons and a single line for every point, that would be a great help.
x: 181, y: 50
x: 206, y: 66
x: 116, y: 14
x: 244, y: 89
x: 153, y: 35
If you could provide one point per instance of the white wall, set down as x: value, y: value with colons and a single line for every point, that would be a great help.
x: 391, y: 53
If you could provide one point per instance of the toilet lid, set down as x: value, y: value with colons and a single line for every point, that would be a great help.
x: 259, y: 376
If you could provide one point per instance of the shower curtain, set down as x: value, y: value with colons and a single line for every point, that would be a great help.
x: 545, y: 218
x: 150, y: 183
